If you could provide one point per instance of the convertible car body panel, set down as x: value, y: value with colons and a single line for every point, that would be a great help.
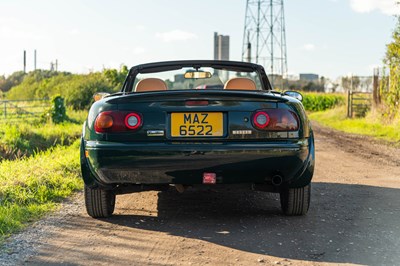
x: 183, y: 163
x: 213, y: 120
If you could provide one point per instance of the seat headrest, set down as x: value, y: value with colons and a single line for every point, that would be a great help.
x: 151, y: 84
x: 240, y: 84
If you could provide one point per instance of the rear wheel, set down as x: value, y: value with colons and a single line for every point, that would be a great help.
x: 296, y: 201
x: 99, y: 203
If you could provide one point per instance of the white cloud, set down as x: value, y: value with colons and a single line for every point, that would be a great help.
x: 175, y: 35
x: 388, y: 7
x: 309, y: 47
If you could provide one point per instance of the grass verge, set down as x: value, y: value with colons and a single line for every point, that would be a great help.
x: 371, y: 125
x: 31, y: 187
x: 23, y: 139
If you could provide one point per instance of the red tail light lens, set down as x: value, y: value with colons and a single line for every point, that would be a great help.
x: 276, y: 120
x: 261, y: 120
x: 117, y: 121
x: 133, y: 121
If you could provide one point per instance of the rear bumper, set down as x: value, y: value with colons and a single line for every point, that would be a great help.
x: 108, y: 163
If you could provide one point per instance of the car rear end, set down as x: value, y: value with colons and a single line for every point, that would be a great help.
x: 183, y: 137
x: 197, y: 123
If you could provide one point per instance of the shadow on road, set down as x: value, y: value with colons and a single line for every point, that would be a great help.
x: 346, y: 223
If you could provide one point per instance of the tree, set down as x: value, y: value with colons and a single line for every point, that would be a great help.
x: 115, y: 77
x: 79, y: 91
x: 322, y: 81
x: 13, y: 80
x: 351, y: 83
x: 390, y: 88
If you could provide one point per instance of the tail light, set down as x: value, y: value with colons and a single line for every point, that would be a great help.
x: 117, y: 121
x: 133, y: 121
x: 276, y: 120
x: 261, y: 120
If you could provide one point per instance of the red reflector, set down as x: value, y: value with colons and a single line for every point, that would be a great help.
x: 209, y: 178
x: 196, y: 103
x: 117, y: 121
x: 276, y: 120
x: 133, y: 121
x: 261, y: 119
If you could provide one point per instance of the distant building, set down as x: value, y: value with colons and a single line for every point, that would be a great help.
x: 309, y: 77
x: 292, y: 77
x: 221, y: 47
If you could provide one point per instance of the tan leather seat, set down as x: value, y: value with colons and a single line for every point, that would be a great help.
x: 151, y: 84
x: 240, y: 84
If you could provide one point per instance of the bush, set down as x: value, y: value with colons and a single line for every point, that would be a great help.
x: 390, y: 86
x: 57, y: 112
x: 321, y: 102
x: 76, y: 89
x: 79, y: 92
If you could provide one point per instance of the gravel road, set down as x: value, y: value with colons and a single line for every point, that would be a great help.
x: 354, y: 218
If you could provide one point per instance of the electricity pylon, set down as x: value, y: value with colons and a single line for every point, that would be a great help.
x: 264, y: 31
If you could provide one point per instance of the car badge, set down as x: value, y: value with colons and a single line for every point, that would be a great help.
x: 242, y: 132
x: 155, y: 133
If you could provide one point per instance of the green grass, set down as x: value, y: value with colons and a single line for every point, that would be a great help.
x: 25, y: 139
x: 44, y: 170
x: 371, y: 125
x: 77, y: 116
x: 31, y: 187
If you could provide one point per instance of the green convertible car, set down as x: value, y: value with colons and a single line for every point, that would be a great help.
x: 197, y: 123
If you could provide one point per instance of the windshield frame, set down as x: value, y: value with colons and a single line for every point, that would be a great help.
x: 176, y: 65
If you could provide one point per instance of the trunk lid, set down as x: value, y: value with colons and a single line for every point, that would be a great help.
x: 181, y: 116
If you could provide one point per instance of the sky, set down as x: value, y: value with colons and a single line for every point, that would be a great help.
x: 331, y: 38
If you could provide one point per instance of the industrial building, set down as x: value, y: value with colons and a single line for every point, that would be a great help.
x: 309, y: 77
x: 221, y: 46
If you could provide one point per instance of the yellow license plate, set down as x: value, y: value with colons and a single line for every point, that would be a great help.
x: 197, y: 124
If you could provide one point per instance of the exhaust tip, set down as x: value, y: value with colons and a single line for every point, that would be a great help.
x: 277, y: 180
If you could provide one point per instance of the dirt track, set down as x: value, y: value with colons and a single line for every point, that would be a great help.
x: 354, y: 219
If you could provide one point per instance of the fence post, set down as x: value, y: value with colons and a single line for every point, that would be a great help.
x: 351, y: 104
x: 351, y: 96
x: 348, y: 103
x: 375, y: 85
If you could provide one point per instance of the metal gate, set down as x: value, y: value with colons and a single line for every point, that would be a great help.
x: 358, y: 103
x: 359, y: 95
x: 14, y: 110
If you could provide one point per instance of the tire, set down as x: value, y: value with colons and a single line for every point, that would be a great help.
x: 99, y: 203
x: 296, y: 201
